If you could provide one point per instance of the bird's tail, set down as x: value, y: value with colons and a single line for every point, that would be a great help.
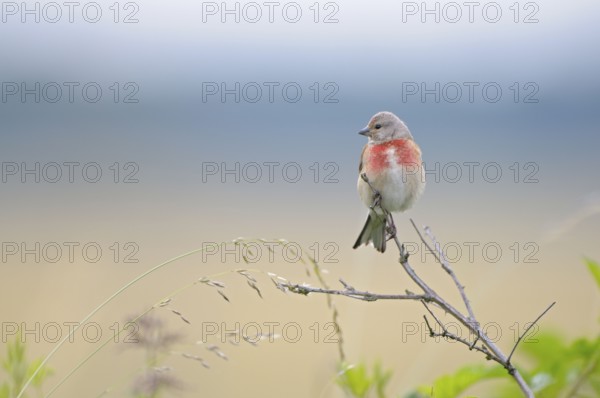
x: 373, y: 231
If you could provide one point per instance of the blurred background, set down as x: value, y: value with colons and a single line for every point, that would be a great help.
x: 134, y: 132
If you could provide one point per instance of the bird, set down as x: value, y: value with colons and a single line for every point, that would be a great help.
x: 391, y: 176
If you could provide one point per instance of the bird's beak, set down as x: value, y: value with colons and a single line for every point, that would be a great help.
x: 365, y: 131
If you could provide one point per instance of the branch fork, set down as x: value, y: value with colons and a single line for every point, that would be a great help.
x: 482, y: 343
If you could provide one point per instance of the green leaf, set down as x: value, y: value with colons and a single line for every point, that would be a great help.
x: 540, y: 381
x: 450, y: 386
x: 18, y: 370
x: 381, y: 378
x: 4, y: 391
x: 42, y: 374
x: 594, y: 268
x: 15, y: 363
x: 356, y: 381
x: 595, y: 384
x: 549, y: 348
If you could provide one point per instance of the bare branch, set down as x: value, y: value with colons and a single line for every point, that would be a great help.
x: 487, y: 347
x: 430, y: 296
x: 446, y: 266
x: 347, y: 286
x: 447, y: 334
x: 355, y: 294
x: 470, y: 323
x: 435, y: 297
x: 527, y: 330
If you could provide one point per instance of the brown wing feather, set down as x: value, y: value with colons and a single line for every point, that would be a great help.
x: 362, y: 155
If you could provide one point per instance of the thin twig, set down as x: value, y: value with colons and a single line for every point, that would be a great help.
x: 447, y: 334
x: 439, y: 256
x: 355, y: 294
x: 487, y: 347
x: 471, y: 324
x: 435, y: 297
x: 527, y: 330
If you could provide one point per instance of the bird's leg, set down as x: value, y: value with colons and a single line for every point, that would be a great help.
x: 376, y: 194
x: 390, y: 226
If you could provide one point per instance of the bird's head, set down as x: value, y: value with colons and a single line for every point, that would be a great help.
x: 385, y: 126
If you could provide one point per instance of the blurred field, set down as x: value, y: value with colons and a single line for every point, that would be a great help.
x: 179, y: 172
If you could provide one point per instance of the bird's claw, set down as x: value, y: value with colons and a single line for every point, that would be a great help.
x: 391, y: 227
x: 376, y: 194
x: 376, y: 199
x: 391, y: 230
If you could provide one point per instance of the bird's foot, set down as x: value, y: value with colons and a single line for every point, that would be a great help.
x: 391, y: 230
x: 376, y: 194
x: 376, y: 200
x: 391, y: 227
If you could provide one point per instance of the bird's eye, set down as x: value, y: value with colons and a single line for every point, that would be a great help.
x: 378, y: 126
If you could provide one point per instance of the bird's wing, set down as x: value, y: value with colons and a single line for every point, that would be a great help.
x: 362, y: 156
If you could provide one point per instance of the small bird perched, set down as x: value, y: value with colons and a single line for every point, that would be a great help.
x: 391, y: 176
